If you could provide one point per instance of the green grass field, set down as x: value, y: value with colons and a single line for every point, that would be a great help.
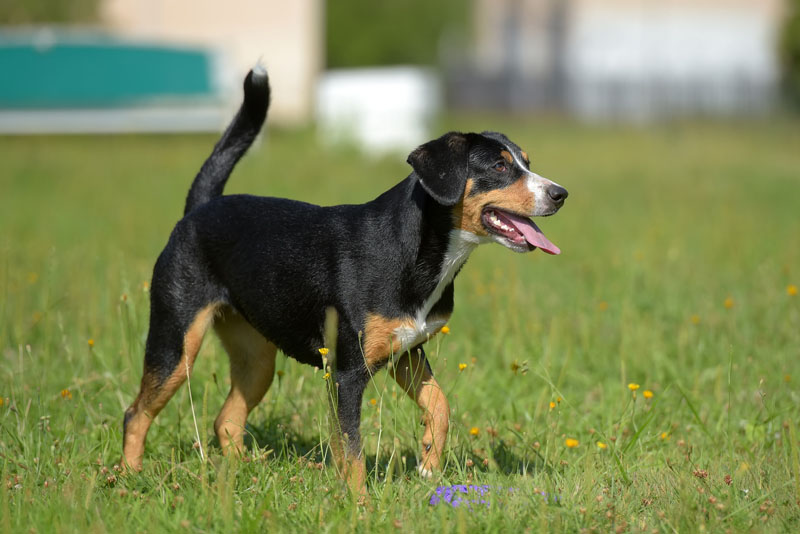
x: 679, y: 273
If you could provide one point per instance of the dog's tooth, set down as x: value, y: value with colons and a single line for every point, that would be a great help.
x: 424, y: 473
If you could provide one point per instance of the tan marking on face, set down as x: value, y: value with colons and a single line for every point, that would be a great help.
x: 525, y: 157
x: 507, y: 156
x: 154, y: 395
x: 516, y: 198
x: 413, y: 376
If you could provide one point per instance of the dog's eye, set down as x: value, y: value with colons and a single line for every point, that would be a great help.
x: 500, y: 166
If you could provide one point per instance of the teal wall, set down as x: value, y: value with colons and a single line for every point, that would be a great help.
x: 97, y: 71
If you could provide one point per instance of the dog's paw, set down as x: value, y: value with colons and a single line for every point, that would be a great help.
x: 424, y: 472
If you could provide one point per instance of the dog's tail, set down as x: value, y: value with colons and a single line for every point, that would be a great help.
x: 238, y: 137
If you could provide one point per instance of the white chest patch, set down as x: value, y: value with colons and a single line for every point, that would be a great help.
x: 461, y: 244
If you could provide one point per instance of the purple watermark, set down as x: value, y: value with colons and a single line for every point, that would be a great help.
x: 480, y: 496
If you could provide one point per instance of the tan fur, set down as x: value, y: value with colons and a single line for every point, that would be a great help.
x: 525, y: 157
x: 507, y: 156
x: 516, y: 198
x: 352, y: 467
x: 380, y: 341
x: 412, y: 374
x: 252, y: 364
x: 153, y: 397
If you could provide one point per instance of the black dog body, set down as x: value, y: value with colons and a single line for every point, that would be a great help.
x: 263, y: 272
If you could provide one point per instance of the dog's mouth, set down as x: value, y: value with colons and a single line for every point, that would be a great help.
x: 521, y: 232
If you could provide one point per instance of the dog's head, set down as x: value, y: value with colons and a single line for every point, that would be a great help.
x: 487, y: 181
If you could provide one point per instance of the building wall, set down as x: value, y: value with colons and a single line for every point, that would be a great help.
x: 629, y: 58
x: 639, y: 58
x: 286, y: 35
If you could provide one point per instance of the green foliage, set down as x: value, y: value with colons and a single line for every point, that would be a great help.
x: 790, y: 52
x: 48, y: 11
x: 680, y: 254
x: 387, y: 32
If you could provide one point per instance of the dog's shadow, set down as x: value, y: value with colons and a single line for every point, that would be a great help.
x: 275, y: 438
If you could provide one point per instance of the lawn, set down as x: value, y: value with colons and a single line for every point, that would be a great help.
x: 679, y: 273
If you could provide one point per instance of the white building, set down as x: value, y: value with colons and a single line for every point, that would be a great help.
x: 629, y: 58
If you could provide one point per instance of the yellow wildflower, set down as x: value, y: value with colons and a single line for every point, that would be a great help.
x: 445, y: 329
x: 665, y: 436
x: 571, y: 443
x: 145, y: 286
x: 373, y: 401
x: 2, y: 401
x: 66, y: 394
x: 462, y: 366
x: 474, y: 431
x: 633, y: 386
x: 729, y: 303
x: 601, y: 445
x: 324, y: 351
x: 648, y: 394
x: 552, y: 405
x: 602, y: 305
x: 791, y: 290
x: 326, y: 376
x: 695, y: 319
x: 90, y: 343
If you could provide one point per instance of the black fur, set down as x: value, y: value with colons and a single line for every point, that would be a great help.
x: 235, y: 141
x: 281, y: 263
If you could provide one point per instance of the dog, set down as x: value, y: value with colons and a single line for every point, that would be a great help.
x: 263, y: 272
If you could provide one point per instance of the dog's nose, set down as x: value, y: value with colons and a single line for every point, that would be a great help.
x: 557, y: 193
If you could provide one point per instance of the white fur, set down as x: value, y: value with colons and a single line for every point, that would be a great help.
x: 459, y: 247
x: 537, y: 185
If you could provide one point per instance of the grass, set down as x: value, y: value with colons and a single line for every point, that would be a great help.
x: 680, y: 251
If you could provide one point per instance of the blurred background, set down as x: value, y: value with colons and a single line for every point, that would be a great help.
x: 378, y: 72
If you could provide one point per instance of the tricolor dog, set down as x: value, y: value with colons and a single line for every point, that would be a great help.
x: 263, y: 271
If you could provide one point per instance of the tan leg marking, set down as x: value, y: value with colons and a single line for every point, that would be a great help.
x: 252, y: 360
x: 380, y: 338
x: 352, y: 468
x: 154, y: 396
x: 380, y: 341
x: 412, y: 374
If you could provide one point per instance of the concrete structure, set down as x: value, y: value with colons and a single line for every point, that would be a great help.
x: 288, y: 36
x: 379, y: 109
x: 627, y: 58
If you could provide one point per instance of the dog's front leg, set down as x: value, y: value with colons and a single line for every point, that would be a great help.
x: 346, y: 439
x: 413, y: 374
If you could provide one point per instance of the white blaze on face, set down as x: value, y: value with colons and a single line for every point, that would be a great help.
x: 537, y: 185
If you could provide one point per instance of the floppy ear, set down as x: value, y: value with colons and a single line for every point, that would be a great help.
x: 441, y: 166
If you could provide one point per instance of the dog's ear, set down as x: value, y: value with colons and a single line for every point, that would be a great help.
x: 441, y: 166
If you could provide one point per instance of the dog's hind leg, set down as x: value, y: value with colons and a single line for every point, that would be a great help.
x: 172, y: 346
x: 252, y: 360
x: 413, y: 374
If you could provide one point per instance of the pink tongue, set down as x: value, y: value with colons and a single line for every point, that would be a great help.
x: 532, y: 234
